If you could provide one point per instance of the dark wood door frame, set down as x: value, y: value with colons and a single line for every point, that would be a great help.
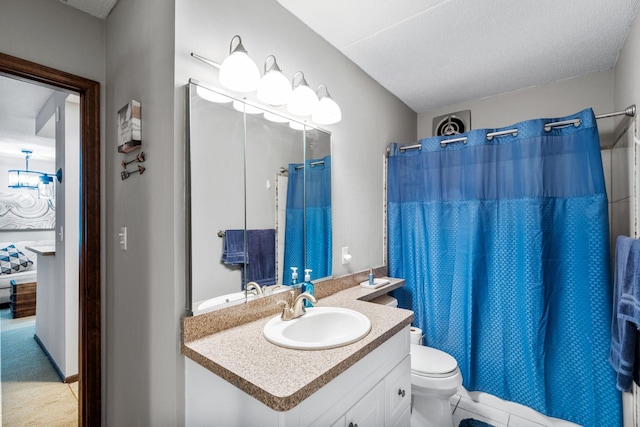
x: 89, y: 362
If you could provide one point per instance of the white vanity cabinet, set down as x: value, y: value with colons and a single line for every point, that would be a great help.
x: 375, y: 391
x: 369, y: 411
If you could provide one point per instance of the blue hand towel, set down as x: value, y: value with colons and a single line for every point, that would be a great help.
x: 261, y: 254
x: 233, y: 247
x: 625, y: 345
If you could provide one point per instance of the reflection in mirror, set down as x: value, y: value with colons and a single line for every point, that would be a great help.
x: 250, y: 173
x: 317, y: 204
x: 308, y: 212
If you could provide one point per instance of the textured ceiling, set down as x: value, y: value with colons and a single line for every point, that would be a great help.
x: 433, y: 53
x: 98, y: 8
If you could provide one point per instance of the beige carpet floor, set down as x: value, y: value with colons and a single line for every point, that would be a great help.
x: 32, y: 392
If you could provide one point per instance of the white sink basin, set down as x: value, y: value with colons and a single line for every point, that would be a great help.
x: 221, y: 301
x: 320, y: 328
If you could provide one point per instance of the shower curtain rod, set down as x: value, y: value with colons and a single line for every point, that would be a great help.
x: 312, y: 164
x: 629, y: 112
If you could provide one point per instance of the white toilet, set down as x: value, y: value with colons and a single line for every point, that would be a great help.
x: 435, y: 377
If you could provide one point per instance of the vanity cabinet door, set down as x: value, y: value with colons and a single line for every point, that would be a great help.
x: 398, y: 391
x: 369, y: 411
x: 342, y: 422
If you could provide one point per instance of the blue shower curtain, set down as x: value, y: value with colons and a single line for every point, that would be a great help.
x: 318, y: 212
x: 317, y: 208
x: 294, y: 226
x: 504, y: 245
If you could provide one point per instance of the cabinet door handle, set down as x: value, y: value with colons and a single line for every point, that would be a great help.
x: 400, y: 392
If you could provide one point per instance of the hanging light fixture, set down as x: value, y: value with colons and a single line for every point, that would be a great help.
x: 24, y: 178
x: 274, y: 87
x: 303, y: 98
x: 33, y: 180
x: 327, y: 111
x: 238, y: 72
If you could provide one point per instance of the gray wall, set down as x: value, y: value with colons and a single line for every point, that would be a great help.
x: 144, y: 296
x: 53, y: 34
x: 626, y: 92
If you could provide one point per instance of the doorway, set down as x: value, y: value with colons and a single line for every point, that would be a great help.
x: 89, y: 357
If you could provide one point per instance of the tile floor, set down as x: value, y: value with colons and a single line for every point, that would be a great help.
x: 484, y: 407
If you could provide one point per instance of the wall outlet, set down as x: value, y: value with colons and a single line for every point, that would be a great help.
x: 346, y: 256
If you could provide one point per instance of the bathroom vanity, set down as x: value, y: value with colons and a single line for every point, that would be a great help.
x: 234, y: 376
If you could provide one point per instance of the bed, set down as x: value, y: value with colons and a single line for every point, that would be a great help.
x: 28, y: 275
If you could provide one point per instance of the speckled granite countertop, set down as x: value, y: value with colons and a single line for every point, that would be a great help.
x: 272, y: 374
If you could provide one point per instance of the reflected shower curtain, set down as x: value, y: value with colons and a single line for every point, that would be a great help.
x: 504, y: 245
x: 294, y: 226
x: 318, y: 211
x: 317, y: 190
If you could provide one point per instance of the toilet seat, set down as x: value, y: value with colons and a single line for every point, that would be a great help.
x: 431, y: 362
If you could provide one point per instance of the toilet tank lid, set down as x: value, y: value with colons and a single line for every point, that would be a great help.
x: 431, y: 361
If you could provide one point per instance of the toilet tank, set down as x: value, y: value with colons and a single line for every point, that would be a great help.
x: 385, y: 300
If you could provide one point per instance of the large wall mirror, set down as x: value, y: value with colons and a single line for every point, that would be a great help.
x: 258, y: 200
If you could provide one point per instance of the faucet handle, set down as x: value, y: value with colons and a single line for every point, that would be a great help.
x: 287, y: 310
x: 283, y: 304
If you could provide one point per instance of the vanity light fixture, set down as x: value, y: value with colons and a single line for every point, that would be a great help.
x: 303, y: 99
x: 327, y: 111
x: 274, y: 88
x: 238, y: 72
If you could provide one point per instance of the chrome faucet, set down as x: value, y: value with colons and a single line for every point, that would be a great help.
x: 297, y: 308
x: 254, y: 287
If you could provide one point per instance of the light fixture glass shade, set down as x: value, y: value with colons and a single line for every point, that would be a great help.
x: 303, y: 99
x: 275, y: 117
x: 327, y: 112
x: 46, y: 187
x: 212, y: 96
x: 274, y: 87
x: 24, y: 179
x: 246, y: 108
x: 238, y: 72
x: 296, y: 125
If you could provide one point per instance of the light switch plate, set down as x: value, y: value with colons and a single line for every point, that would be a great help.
x: 123, y: 238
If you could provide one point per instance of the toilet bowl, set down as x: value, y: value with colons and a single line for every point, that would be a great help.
x: 435, y: 378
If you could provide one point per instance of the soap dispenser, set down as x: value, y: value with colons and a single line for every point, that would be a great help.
x: 307, y: 286
x: 294, y: 275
